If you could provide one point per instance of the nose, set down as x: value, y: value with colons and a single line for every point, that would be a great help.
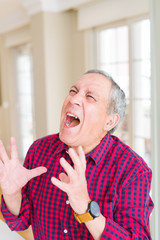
x: 76, y: 99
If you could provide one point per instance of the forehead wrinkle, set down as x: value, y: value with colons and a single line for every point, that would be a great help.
x: 86, y: 90
x: 89, y: 88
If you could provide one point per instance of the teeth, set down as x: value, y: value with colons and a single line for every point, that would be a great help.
x: 71, y: 115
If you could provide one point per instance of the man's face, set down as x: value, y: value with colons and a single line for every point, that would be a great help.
x: 84, y: 112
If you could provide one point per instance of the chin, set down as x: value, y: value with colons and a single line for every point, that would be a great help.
x: 69, y: 140
x: 64, y: 138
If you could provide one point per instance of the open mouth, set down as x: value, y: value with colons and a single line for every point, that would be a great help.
x: 72, y: 120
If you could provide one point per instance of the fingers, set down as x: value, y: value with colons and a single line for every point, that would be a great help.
x: 79, y: 159
x: 82, y: 157
x: 13, y: 150
x: 35, y: 172
x: 75, y: 159
x: 68, y: 168
x: 72, y: 174
x: 13, y: 147
x: 3, y: 155
x: 63, y: 186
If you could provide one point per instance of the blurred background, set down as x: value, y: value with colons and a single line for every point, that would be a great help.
x: 46, y: 45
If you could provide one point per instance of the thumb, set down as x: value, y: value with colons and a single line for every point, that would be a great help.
x: 36, y: 172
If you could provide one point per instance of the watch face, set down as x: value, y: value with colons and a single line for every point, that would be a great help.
x: 94, y: 209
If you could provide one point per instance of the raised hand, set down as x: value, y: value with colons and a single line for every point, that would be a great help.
x: 73, y: 182
x: 13, y: 176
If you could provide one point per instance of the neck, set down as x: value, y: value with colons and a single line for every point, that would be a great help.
x: 87, y: 149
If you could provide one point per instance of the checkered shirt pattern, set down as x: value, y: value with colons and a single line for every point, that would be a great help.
x: 118, y: 179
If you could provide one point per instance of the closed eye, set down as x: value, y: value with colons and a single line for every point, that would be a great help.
x: 73, y: 91
x: 91, y: 97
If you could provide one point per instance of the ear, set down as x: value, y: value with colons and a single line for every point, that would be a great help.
x: 111, y: 121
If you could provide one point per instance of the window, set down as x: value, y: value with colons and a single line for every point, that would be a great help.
x: 124, y: 52
x: 24, y: 97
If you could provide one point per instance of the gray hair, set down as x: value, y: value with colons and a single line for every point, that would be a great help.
x: 117, y: 99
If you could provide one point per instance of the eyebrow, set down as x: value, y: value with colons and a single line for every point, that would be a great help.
x: 88, y: 91
x: 91, y: 92
x: 75, y: 87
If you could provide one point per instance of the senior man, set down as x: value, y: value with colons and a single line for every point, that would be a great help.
x: 82, y: 183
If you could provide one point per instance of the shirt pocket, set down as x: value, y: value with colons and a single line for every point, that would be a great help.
x: 106, y: 209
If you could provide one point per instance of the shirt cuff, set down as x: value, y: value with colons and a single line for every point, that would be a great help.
x: 17, y: 223
x: 114, y: 231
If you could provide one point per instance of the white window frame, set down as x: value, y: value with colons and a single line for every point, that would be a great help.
x: 91, y: 63
x: 17, y: 133
x: 92, y: 36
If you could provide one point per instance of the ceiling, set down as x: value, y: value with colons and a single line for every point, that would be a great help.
x: 14, y: 13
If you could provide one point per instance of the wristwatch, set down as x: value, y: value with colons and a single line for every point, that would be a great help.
x: 92, y: 212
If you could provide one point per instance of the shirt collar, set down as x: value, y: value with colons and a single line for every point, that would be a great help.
x: 61, y: 146
x: 97, y: 153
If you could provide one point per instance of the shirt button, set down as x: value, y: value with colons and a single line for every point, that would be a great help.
x: 67, y: 202
x: 65, y: 231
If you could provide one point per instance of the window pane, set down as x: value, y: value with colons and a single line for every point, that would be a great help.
x: 141, y: 40
x: 23, y: 61
x: 142, y: 118
x: 113, y: 58
x: 131, y: 70
x: 142, y: 82
x: 142, y: 88
x: 107, y: 51
x: 120, y: 74
x: 114, y: 45
x: 25, y: 106
x: 24, y: 87
x: 143, y: 147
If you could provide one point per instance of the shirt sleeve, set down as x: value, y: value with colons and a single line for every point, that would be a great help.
x: 131, y: 216
x: 22, y: 221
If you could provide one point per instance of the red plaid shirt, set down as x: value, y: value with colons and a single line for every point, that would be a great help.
x: 118, y: 179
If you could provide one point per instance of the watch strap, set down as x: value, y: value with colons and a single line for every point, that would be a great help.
x: 82, y: 218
